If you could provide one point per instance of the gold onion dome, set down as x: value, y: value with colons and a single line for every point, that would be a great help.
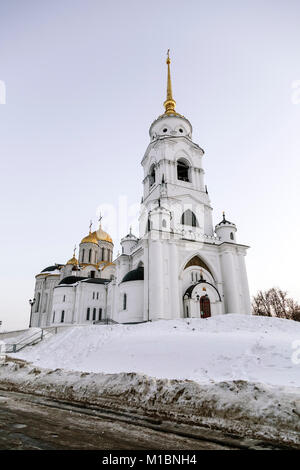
x: 90, y: 238
x: 73, y: 260
x: 103, y: 236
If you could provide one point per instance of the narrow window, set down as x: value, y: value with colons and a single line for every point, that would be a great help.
x: 93, y: 295
x: 182, y: 170
x: 82, y: 258
x: 94, y: 314
x: 100, y: 314
x: 53, y: 319
x: 102, y: 254
x: 38, y: 302
x: 152, y: 175
x: 231, y: 236
x: 64, y: 298
x: 164, y: 223
x: 192, y: 277
x: 124, y: 302
x: 88, y: 314
x: 97, y: 295
x: 62, y: 316
x: 187, y: 312
x: 90, y: 254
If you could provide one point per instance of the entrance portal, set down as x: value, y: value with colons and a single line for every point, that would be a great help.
x: 205, y: 307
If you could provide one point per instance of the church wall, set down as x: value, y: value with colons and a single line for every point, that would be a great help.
x: 134, y: 311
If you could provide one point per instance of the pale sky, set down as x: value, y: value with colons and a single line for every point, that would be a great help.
x: 84, y: 80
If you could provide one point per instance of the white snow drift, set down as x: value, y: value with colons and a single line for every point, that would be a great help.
x: 221, y: 348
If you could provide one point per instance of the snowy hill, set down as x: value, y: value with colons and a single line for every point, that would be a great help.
x: 222, y: 348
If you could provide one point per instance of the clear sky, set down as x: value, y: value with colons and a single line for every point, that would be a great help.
x: 84, y: 80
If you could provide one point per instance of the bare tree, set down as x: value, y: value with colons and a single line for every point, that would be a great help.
x: 275, y: 303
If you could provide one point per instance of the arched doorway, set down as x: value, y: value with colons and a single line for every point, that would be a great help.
x: 205, y: 307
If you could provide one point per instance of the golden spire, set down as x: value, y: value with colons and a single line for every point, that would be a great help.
x: 170, y: 103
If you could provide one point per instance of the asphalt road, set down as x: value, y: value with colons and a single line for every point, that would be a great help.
x: 28, y: 425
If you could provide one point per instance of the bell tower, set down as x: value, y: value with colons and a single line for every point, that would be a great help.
x: 173, y: 172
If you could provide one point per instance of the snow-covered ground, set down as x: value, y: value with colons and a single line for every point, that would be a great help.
x: 222, y: 348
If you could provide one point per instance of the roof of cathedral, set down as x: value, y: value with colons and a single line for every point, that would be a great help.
x: 90, y: 280
x: 134, y: 275
x: 224, y: 221
x: 52, y: 268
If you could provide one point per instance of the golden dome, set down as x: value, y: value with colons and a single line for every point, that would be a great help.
x: 103, y: 236
x: 90, y: 238
x: 73, y: 261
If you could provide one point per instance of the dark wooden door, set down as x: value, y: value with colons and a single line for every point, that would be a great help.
x: 205, y: 307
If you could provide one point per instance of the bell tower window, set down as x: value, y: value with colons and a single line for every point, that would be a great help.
x: 182, y: 170
x: 189, y: 218
x: 152, y: 176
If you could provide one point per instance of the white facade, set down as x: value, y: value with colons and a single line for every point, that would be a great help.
x: 179, y: 266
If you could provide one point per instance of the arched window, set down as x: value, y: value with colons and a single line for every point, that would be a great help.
x: 94, y: 314
x: 149, y: 225
x: 124, y: 302
x: 90, y: 255
x: 152, y: 175
x: 62, y: 316
x: 231, y: 236
x: 88, y: 314
x: 82, y: 258
x: 189, y: 218
x: 182, y: 170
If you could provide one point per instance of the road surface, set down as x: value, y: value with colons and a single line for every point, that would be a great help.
x: 30, y: 422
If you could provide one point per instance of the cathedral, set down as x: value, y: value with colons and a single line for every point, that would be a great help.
x: 180, y: 266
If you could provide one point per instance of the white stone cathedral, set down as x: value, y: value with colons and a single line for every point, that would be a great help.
x: 179, y: 267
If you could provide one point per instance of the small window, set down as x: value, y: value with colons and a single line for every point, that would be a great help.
x: 165, y: 130
x: 97, y: 295
x: 100, y: 314
x: 62, y: 316
x: 64, y: 298
x: 181, y: 130
x: 93, y: 295
x: 82, y: 258
x: 94, y: 314
x: 53, y: 319
x: 187, y: 312
x: 88, y: 314
x: 164, y: 223
x: 124, y: 302
x: 231, y: 236
x: 90, y: 255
